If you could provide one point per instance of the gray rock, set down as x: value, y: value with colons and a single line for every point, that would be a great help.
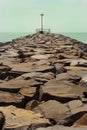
x: 55, y: 111
x: 76, y: 106
x: 61, y: 91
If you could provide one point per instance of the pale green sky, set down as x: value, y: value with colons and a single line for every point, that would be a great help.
x: 60, y: 15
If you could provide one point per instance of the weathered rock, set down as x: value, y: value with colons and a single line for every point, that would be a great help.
x: 11, y: 53
x: 15, y: 85
x: 25, y: 68
x: 61, y: 91
x: 75, y: 69
x: 79, y: 62
x: 82, y: 63
x: 29, y: 92
x: 18, y: 118
x: 35, y: 75
x: 76, y: 107
x: 75, y: 104
x: 11, y: 99
x: 55, y: 111
x: 73, y: 77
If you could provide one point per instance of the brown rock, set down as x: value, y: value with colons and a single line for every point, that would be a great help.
x: 73, y: 77
x: 81, y: 122
x: 29, y: 92
x: 11, y: 99
x: 35, y: 75
x: 18, y: 118
x: 15, y: 85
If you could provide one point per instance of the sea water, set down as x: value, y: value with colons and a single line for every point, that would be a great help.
x: 8, y: 36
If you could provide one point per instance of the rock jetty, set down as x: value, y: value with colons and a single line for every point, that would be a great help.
x: 43, y: 83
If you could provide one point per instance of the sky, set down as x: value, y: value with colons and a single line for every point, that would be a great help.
x: 59, y: 15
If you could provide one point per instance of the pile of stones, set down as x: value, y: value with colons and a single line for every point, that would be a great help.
x: 43, y: 83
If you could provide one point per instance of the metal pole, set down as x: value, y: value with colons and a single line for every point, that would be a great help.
x: 42, y: 22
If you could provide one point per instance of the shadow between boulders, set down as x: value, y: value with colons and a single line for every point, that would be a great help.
x: 45, y: 97
x: 74, y: 118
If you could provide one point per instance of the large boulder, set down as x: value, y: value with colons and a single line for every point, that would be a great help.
x: 61, y: 91
x: 29, y: 67
x: 18, y: 118
x: 54, y: 111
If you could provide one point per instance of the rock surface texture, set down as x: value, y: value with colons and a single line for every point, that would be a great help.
x: 43, y: 83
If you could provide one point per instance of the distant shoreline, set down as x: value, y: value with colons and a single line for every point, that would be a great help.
x: 9, y: 36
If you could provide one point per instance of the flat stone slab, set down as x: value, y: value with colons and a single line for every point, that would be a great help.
x: 11, y: 98
x: 29, y: 67
x: 15, y: 85
x: 76, y: 106
x: 34, y: 75
x: 60, y: 90
x: 73, y: 77
x: 28, y: 91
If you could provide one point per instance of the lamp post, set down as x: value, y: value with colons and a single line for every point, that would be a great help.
x: 42, y: 22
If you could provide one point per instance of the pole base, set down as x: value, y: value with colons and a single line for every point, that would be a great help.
x: 41, y: 32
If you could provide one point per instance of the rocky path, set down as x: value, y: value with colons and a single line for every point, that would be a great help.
x: 43, y: 83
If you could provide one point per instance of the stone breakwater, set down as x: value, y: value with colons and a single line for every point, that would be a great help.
x: 43, y: 83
